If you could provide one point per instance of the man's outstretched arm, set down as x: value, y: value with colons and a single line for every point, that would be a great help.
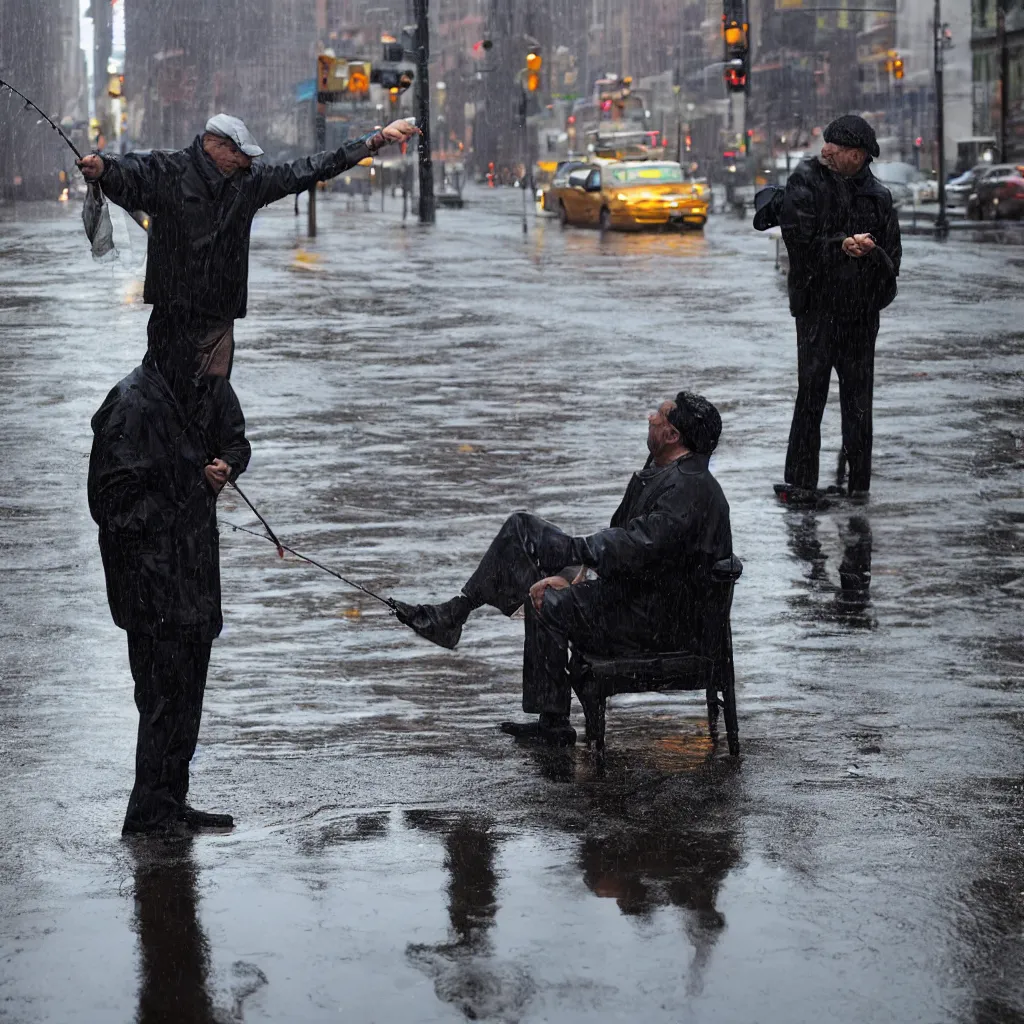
x: 280, y: 180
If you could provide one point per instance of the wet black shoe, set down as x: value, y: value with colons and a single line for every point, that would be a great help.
x: 169, y: 828
x: 554, y: 731
x: 194, y: 819
x: 441, y: 624
x: 790, y: 494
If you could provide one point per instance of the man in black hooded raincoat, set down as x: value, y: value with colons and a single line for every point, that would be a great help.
x: 166, y: 440
x: 653, y: 565
x: 843, y: 237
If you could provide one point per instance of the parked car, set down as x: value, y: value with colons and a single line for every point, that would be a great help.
x: 906, y: 183
x: 999, y: 193
x: 960, y: 187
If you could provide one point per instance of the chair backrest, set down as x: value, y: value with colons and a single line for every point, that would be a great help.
x: 722, y: 578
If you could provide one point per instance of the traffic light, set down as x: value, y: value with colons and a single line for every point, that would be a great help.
x: 734, y: 36
x: 534, y: 62
x: 393, y: 53
x: 897, y: 68
x: 736, y: 74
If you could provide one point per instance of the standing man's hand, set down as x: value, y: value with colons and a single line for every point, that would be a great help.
x: 858, y: 245
x: 217, y: 473
x: 540, y: 588
x: 91, y: 166
x: 400, y: 131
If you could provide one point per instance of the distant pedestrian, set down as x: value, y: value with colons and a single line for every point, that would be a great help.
x: 843, y: 236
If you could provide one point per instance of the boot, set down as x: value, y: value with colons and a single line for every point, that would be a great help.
x: 194, y: 819
x: 553, y: 730
x: 441, y: 624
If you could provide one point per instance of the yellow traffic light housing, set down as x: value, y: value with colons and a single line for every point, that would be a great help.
x: 897, y: 68
x: 533, y: 61
x: 532, y: 81
x: 393, y: 92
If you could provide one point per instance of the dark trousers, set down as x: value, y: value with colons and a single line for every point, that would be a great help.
x: 824, y: 341
x: 170, y: 679
x: 587, y: 615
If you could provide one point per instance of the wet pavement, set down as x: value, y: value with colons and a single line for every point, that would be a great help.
x: 398, y: 859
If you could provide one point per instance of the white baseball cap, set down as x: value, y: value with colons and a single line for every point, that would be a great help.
x: 233, y: 128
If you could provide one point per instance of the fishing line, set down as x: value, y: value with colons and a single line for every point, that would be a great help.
x: 389, y: 602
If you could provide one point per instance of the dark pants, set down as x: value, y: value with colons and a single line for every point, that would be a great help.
x: 170, y: 679
x: 824, y: 341
x: 526, y: 549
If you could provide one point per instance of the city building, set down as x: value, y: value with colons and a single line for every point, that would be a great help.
x: 40, y: 54
x: 997, y: 46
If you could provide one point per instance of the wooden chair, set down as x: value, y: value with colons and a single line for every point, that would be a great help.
x: 596, y: 679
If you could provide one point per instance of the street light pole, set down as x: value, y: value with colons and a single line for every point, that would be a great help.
x: 941, y: 221
x: 427, y: 206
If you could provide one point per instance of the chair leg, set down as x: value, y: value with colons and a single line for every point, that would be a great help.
x: 713, y: 705
x: 732, y: 728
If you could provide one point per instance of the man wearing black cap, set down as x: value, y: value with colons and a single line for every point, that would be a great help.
x: 843, y: 238
x: 652, y: 565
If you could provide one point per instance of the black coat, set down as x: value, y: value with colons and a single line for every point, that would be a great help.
x: 656, y: 556
x: 200, y: 220
x: 821, y: 208
x: 157, y: 514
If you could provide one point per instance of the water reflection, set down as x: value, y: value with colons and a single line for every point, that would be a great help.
x: 851, y: 601
x: 670, y: 842
x: 174, y: 954
x: 463, y: 968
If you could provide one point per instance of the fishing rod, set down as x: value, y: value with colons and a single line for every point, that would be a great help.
x: 266, y: 526
x: 282, y: 548
x: 49, y: 120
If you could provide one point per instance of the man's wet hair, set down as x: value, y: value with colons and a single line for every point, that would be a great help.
x: 697, y: 421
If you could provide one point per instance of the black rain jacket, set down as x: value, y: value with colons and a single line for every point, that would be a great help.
x: 157, y: 514
x: 200, y: 220
x: 821, y: 208
x: 667, y: 533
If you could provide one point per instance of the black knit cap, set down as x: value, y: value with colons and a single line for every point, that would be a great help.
x: 851, y: 130
x: 697, y: 421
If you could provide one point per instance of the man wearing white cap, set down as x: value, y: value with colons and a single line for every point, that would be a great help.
x: 201, y: 201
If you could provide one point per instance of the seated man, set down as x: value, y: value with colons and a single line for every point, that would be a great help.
x: 653, y: 562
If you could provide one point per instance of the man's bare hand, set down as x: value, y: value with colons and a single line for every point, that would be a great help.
x: 858, y: 245
x: 540, y: 588
x: 400, y: 131
x: 217, y: 473
x: 91, y: 166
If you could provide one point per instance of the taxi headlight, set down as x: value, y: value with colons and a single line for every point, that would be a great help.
x: 622, y: 197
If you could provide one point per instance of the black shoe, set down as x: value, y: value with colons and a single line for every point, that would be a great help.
x: 859, y: 497
x: 552, y: 730
x: 441, y: 624
x: 169, y: 828
x: 194, y: 819
x: 790, y: 494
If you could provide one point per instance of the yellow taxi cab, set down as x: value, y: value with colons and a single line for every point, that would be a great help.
x: 632, y: 194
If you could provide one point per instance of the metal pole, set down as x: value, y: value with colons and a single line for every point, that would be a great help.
x: 320, y: 131
x: 427, y: 206
x: 941, y: 221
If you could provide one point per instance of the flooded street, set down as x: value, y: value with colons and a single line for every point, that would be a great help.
x: 396, y: 858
